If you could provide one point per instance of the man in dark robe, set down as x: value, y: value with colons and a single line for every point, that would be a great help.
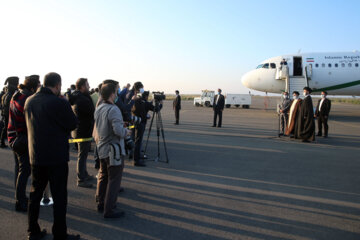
x: 293, y: 114
x: 306, y: 120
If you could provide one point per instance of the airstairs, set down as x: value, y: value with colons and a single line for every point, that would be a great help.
x: 294, y: 83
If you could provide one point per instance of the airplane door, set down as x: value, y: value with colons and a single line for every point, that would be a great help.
x: 298, y: 70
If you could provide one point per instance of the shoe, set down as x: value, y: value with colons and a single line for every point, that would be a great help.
x: 84, y: 184
x: 117, y: 214
x: 219, y: 126
x: 325, y: 136
x: 305, y: 140
x: 139, y: 164
x: 292, y: 136
x: 90, y: 178
x: 213, y: 125
x: 100, y: 208
x: 121, y: 189
x: 21, y: 206
x: 319, y: 134
x: 38, y: 236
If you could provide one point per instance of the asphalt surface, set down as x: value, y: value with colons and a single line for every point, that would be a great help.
x: 236, y: 182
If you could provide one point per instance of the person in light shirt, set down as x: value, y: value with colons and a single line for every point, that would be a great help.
x: 322, y: 114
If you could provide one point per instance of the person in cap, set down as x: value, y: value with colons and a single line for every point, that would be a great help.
x: 306, y: 118
x: 322, y: 114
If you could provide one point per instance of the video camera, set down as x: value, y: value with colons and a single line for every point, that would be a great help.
x: 158, y: 96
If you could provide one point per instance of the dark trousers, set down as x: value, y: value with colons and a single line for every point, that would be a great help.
x: 217, y: 113
x: 283, y: 122
x: 57, y: 176
x: 177, y: 115
x: 139, y: 134
x: 108, y: 185
x: 83, y: 151
x: 22, y: 173
x: 4, y: 130
x: 323, y: 119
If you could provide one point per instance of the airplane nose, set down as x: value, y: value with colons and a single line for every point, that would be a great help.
x: 245, y: 80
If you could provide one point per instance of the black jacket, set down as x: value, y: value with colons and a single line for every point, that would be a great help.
x: 5, y: 101
x: 142, y: 107
x: 49, y: 120
x: 177, y: 102
x: 220, y: 104
x: 84, y: 109
x: 325, y: 108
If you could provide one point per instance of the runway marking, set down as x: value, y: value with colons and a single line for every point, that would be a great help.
x: 257, y: 181
x: 221, y: 146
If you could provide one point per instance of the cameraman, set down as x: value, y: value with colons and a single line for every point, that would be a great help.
x: 140, y: 109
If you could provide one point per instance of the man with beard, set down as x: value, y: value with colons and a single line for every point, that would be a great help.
x: 293, y: 114
x: 84, y: 109
x: 306, y: 118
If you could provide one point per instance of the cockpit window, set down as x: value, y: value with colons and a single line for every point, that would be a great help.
x: 259, y: 66
x: 272, y: 65
x: 266, y: 65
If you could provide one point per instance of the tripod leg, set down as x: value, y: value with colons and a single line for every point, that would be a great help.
x: 147, y: 140
x: 163, y: 137
x: 158, y: 134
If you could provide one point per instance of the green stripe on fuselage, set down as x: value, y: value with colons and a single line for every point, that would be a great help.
x: 336, y: 87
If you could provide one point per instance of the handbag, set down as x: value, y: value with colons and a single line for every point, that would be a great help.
x: 115, y: 154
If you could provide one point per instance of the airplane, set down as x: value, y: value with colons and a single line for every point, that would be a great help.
x: 336, y: 73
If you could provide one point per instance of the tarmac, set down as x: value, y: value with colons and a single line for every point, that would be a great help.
x: 240, y: 181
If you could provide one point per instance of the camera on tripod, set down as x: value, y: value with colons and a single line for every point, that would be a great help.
x: 158, y: 96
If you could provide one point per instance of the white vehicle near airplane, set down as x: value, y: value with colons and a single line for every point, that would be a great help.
x: 336, y: 73
x: 207, y: 99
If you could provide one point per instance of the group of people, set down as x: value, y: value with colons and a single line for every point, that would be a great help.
x: 38, y: 122
x: 297, y: 116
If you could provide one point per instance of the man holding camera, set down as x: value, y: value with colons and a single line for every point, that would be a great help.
x: 109, y: 134
x: 140, y: 109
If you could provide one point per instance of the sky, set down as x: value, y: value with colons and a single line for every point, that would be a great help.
x: 187, y: 45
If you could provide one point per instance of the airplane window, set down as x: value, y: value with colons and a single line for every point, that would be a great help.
x: 343, y: 64
x: 266, y: 65
x: 317, y: 65
x: 272, y: 65
x: 323, y: 65
x: 349, y: 64
x: 329, y: 64
x: 356, y: 65
x: 336, y: 65
x: 259, y: 66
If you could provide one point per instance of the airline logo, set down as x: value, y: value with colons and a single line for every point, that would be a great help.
x: 309, y: 59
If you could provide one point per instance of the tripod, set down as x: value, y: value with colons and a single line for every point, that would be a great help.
x: 159, y: 129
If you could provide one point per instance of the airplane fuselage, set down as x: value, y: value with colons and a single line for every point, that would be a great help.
x: 336, y: 73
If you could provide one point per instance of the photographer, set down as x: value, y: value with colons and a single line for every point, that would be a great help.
x: 109, y: 131
x: 140, y: 109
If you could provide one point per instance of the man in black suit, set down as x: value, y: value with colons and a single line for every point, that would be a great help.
x: 218, y: 106
x: 177, y: 107
x: 49, y: 120
x: 322, y: 113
